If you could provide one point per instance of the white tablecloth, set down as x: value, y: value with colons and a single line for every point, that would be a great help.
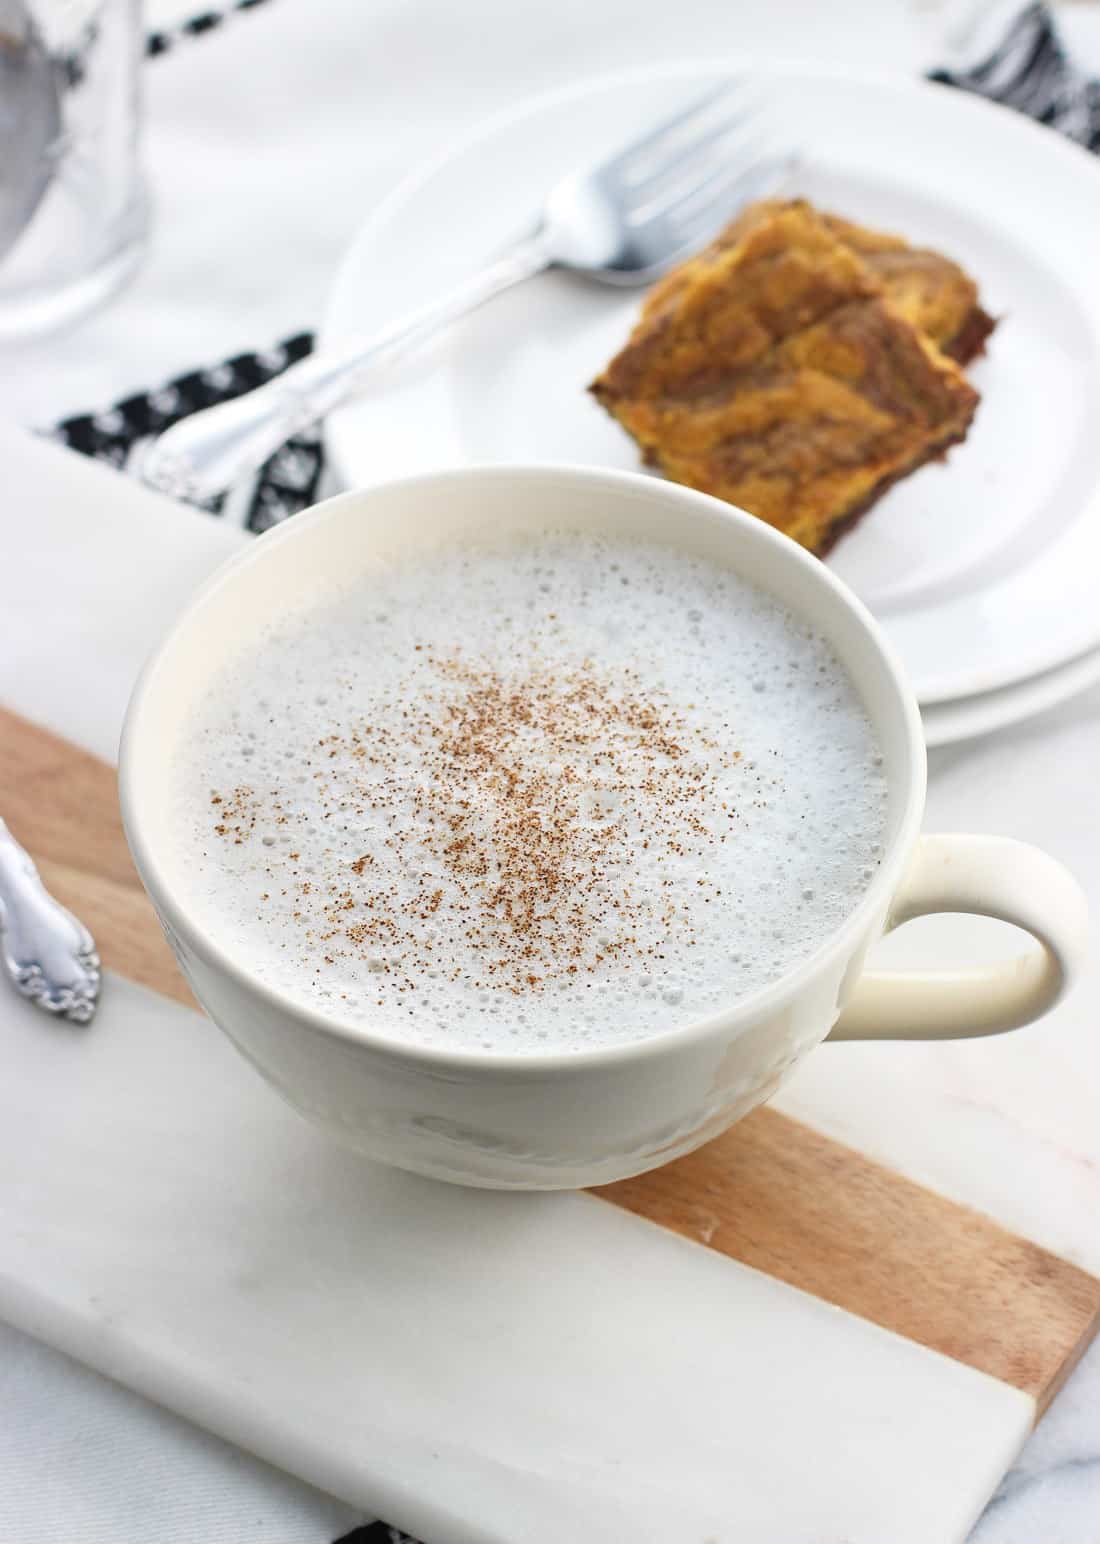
x: 267, y: 141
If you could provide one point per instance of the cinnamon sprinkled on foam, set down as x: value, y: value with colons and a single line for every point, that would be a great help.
x: 531, y: 791
x: 603, y: 812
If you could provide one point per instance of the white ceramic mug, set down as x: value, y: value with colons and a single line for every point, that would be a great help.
x: 564, y: 1119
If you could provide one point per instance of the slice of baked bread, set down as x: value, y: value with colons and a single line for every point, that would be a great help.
x: 774, y: 371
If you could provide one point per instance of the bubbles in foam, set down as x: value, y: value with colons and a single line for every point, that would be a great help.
x: 630, y: 827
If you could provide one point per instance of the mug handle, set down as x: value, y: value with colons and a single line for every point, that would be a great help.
x: 989, y: 876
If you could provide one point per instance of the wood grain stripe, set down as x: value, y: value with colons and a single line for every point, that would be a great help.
x: 781, y: 1197
x: 771, y: 1193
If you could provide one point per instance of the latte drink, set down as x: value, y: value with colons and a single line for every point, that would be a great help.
x: 549, y: 794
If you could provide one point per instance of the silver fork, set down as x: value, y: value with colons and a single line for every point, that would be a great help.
x: 623, y: 222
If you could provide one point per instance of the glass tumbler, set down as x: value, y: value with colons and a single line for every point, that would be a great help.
x: 73, y: 207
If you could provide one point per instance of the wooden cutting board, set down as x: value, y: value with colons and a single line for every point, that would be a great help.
x: 770, y: 1193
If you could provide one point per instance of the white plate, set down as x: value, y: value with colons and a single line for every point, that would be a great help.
x: 967, y: 718
x: 981, y: 569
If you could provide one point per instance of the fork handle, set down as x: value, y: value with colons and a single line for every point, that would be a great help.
x: 202, y: 455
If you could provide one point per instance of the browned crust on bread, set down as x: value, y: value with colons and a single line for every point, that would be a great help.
x: 932, y: 290
x: 851, y: 518
x: 970, y: 340
x: 776, y: 370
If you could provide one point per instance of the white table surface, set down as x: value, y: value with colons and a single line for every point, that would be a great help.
x: 266, y: 143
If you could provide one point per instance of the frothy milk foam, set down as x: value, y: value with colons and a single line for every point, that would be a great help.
x: 550, y: 794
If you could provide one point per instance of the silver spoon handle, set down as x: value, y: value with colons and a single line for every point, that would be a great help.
x: 49, y: 956
x: 202, y: 455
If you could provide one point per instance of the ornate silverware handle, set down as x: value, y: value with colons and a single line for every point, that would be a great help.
x: 50, y: 956
x: 202, y: 455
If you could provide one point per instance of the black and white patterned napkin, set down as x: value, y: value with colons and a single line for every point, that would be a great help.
x: 286, y: 483
x: 376, y: 1533
x: 1026, y: 66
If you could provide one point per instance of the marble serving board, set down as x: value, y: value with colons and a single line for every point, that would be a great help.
x: 778, y: 1338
